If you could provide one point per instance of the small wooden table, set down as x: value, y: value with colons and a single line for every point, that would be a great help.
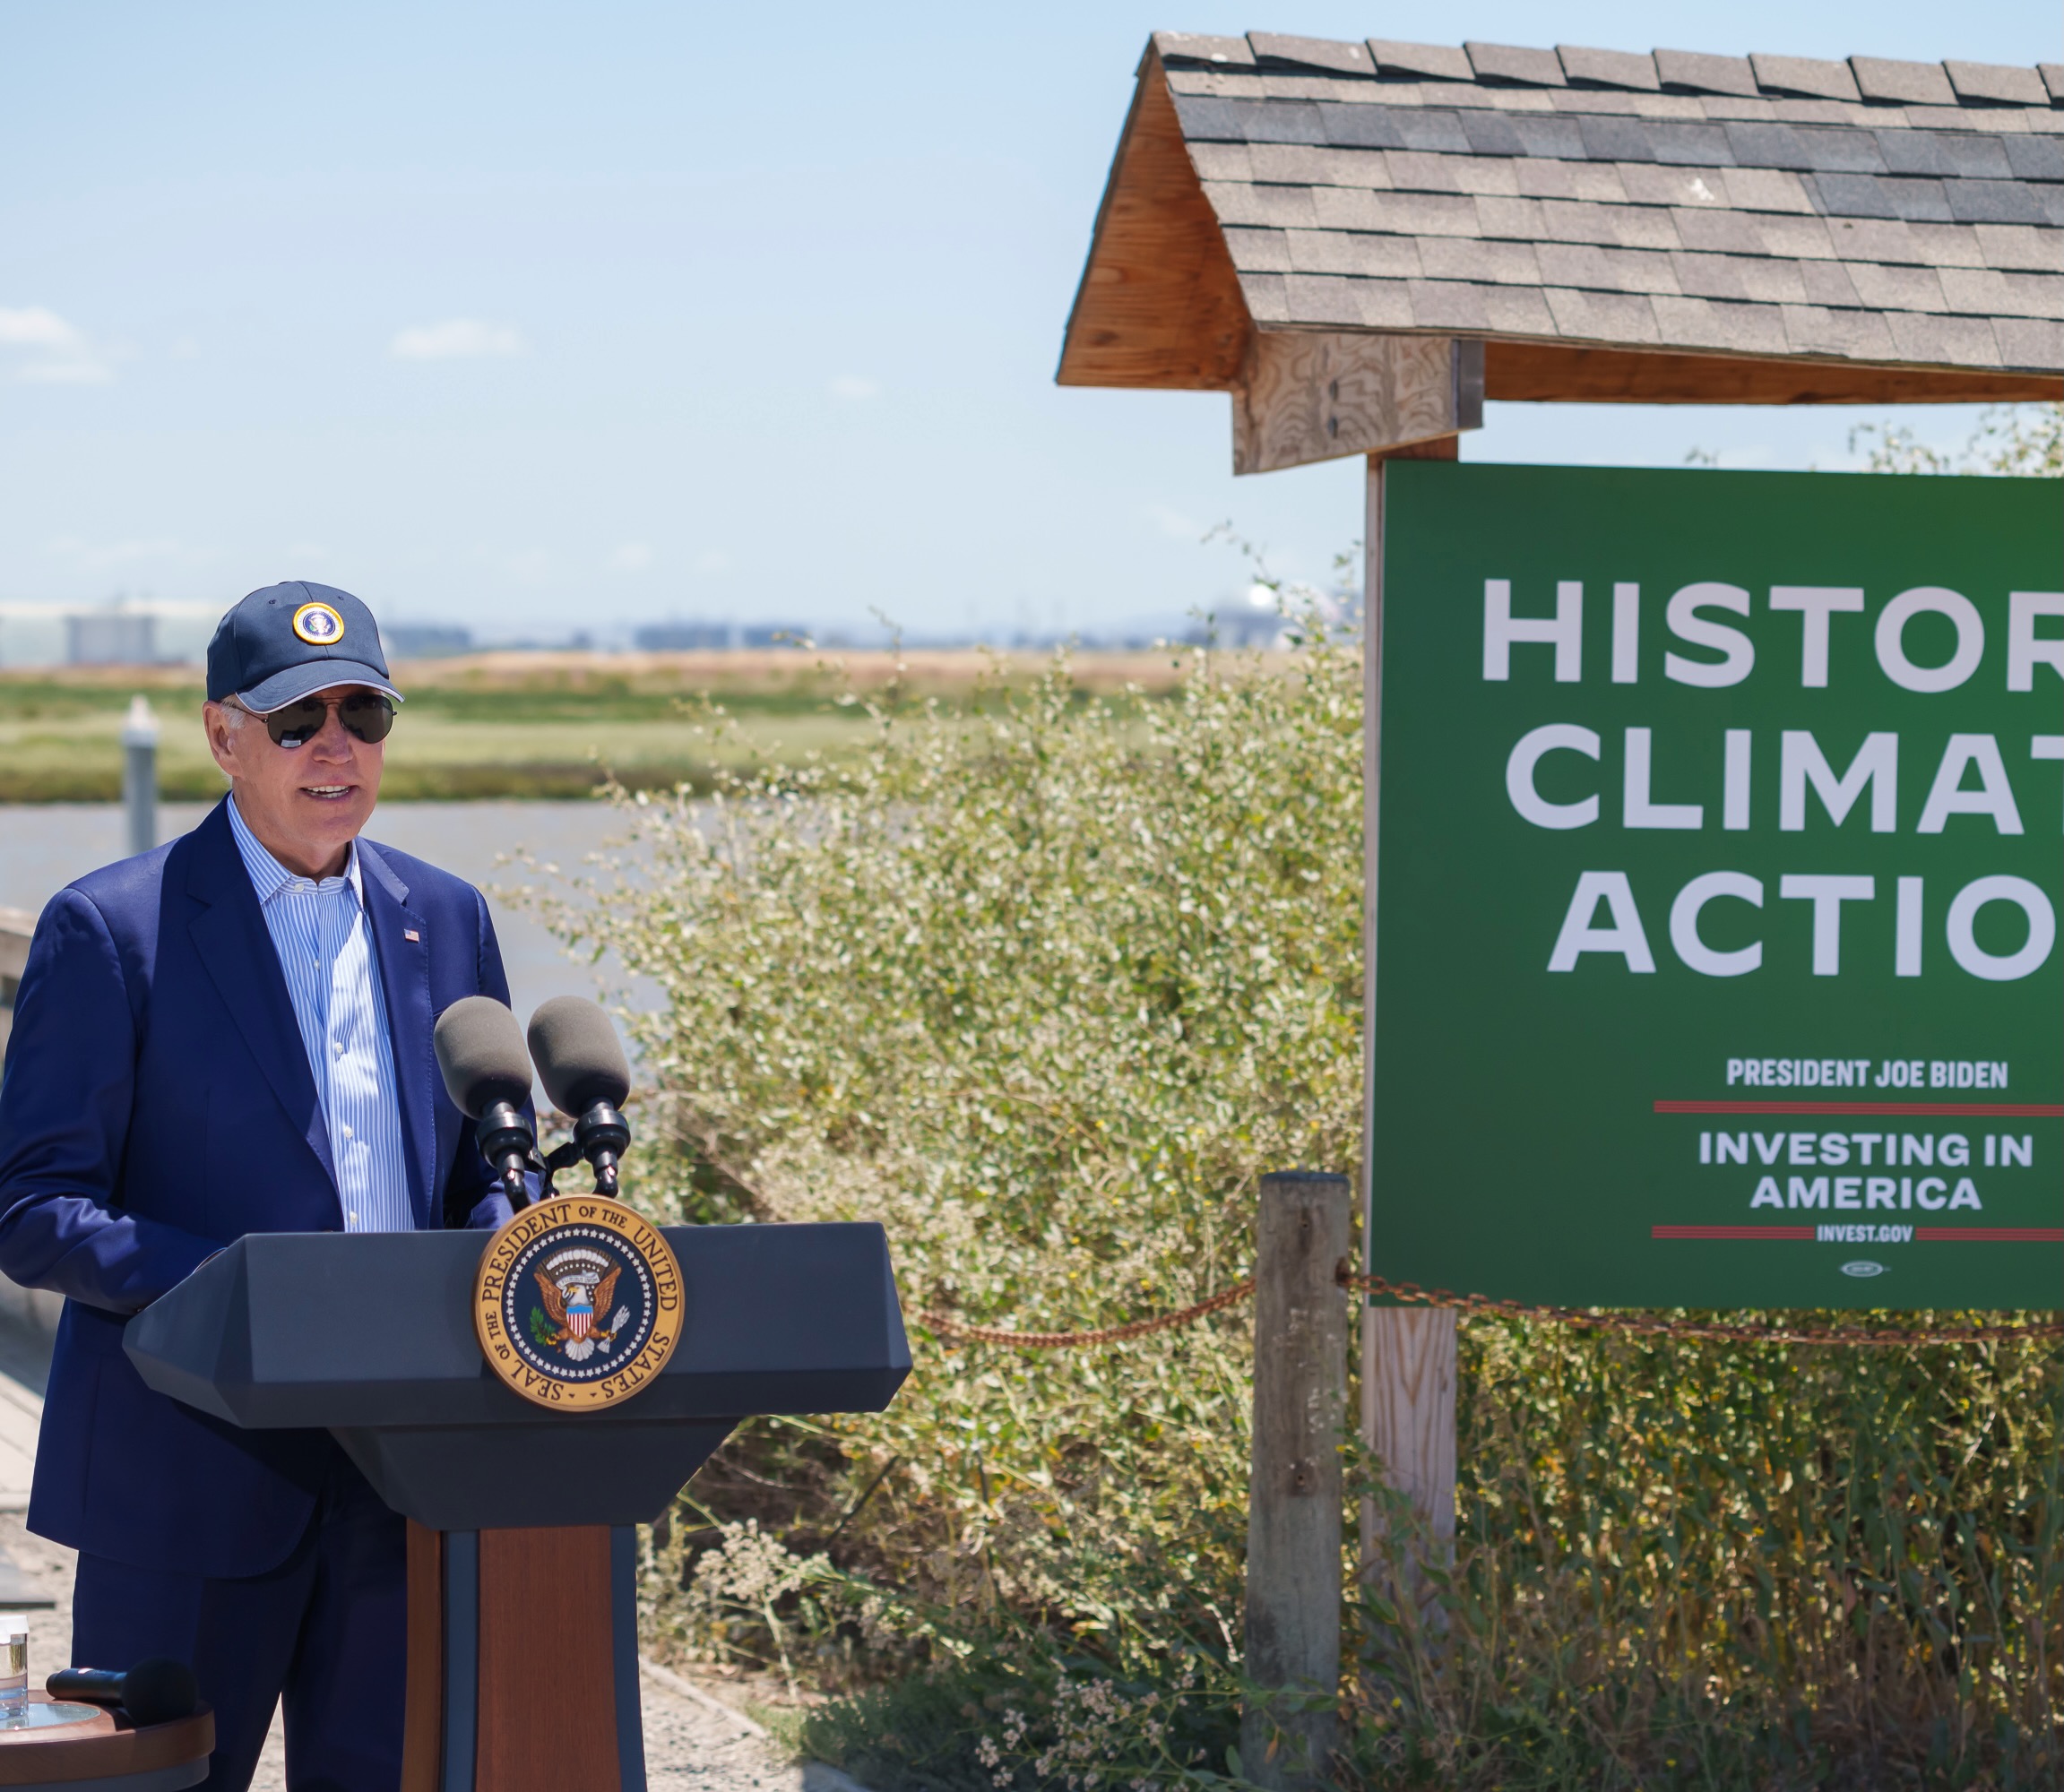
x: 101, y: 1750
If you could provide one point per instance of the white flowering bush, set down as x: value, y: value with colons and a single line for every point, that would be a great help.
x: 750, y: 1582
x: 1045, y: 983
x: 2015, y: 441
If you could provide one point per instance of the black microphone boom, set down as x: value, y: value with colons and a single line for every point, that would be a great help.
x: 580, y: 1062
x: 488, y: 1076
x: 155, y: 1690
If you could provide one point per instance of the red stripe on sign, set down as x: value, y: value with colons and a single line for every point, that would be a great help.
x: 1790, y: 1234
x: 1990, y: 1234
x: 1976, y: 1110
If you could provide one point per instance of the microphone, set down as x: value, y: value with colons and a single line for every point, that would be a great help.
x: 487, y: 1077
x: 581, y: 1062
x: 155, y: 1690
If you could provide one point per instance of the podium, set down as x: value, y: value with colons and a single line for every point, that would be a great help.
x: 522, y: 1668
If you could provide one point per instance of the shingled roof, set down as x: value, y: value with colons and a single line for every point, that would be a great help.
x: 1658, y: 227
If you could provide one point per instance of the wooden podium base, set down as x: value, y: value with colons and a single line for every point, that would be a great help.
x: 523, y: 1661
x: 106, y: 1753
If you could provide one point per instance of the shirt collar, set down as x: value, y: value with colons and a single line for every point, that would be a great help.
x: 269, y: 877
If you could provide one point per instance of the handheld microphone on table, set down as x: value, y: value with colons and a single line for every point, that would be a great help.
x: 155, y: 1690
x: 487, y: 1075
x: 581, y: 1062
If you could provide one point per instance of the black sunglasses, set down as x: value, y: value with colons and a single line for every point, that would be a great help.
x: 365, y: 713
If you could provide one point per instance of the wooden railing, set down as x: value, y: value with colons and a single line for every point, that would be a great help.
x: 36, y: 1308
x: 15, y: 926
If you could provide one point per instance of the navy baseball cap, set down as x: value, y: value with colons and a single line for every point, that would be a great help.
x: 286, y: 640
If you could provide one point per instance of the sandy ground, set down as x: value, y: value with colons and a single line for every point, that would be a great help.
x: 692, y: 1742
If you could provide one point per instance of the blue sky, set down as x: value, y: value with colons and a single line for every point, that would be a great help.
x: 542, y: 317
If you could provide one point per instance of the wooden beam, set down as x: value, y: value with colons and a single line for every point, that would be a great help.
x: 1307, y: 395
x: 1440, y: 448
x: 1159, y: 304
x: 1555, y: 373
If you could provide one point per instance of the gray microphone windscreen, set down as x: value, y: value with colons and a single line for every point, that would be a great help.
x: 481, y: 1056
x: 580, y: 1059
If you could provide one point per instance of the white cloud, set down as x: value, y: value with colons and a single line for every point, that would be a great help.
x: 855, y: 387
x: 33, y: 327
x: 108, y: 556
x: 1173, y: 523
x: 455, y: 338
x: 51, y: 350
x: 525, y: 566
x: 633, y: 556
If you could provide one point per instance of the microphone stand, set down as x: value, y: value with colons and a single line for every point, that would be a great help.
x: 508, y: 1143
x: 601, y: 1135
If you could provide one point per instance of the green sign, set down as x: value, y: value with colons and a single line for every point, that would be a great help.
x: 1721, y: 843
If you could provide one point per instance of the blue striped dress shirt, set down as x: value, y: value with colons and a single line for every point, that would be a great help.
x: 325, y: 945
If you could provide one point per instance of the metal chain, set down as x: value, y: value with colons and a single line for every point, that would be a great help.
x: 1070, y: 1340
x: 1639, y: 1325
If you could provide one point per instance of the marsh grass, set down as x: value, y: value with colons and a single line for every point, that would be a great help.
x: 522, y: 725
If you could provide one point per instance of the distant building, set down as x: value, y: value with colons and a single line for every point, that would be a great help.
x: 426, y: 639
x: 682, y: 637
x: 111, y: 637
x: 1244, y: 627
x: 773, y: 634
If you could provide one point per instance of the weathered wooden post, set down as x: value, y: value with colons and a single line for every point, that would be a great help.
x: 1293, y: 1526
x: 139, y: 774
x: 1407, y: 1352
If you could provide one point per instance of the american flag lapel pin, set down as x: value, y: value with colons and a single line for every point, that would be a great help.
x: 411, y: 933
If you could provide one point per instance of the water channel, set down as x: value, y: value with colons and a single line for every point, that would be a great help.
x: 44, y: 846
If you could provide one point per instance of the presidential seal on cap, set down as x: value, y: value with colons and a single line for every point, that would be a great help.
x: 284, y: 642
x: 577, y: 1304
x: 318, y: 624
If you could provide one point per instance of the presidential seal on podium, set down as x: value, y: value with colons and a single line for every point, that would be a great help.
x: 578, y: 1302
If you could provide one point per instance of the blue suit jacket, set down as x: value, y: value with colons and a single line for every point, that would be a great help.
x: 158, y: 1104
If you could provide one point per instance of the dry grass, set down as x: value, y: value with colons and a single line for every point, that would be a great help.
x: 777, y: 672
x: 529, y: 724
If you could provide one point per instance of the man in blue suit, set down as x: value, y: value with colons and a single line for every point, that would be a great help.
x: 232, y: 1034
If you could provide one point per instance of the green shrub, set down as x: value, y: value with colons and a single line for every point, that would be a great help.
x: 1739, y: 1566
x: 1045, y: 982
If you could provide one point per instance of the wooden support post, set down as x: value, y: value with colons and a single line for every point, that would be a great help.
x: 1293, y: 1526
x: 1408, y: 1418
x: 1407, y: 1353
